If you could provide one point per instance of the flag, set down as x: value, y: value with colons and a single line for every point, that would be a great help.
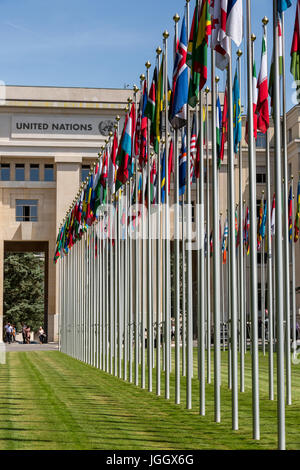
x: 163, y: 177
x: 273, y: 217
x: 237, y: 116
x: 182, y: 164
x: 140, y: 147
x: 153, y: 183
x: 290, y: 212
x: 224, y: 242
x: 262, y: 108
x: 262, y: 229
x: 159, y: 96
x: 280, y: 58
x: 297, y: 218
x: 218, y: 129
x: 112, y: 164
x: 259, y: 223
x: 295, y: 50
x: 283, y: 5
x: 178, y: 107
x: 150, y: 107
x: 129, y: 131
x: 246, y: 231
x: 224, y: 127
x: 122, y: 160
x: 219, y: 38
x: 197, y: 50
x: 254, y: 97
x: 234, y: 19
x: 193, y: 147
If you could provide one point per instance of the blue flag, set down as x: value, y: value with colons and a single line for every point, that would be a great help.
x: 178, y: 111
x: 237, y: 115
x: 283, y: 5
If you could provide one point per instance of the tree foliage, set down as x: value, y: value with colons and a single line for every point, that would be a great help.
x: 24, y: 289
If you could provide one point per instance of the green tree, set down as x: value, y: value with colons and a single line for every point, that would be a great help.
x: 24, y: 289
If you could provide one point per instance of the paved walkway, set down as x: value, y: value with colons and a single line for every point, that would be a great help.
x: 30, y: 347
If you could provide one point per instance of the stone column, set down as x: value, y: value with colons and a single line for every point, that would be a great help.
x: 68, y: 171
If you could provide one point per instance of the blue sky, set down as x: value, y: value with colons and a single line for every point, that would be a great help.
x: 100, y: 43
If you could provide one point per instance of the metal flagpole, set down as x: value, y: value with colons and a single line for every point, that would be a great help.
x: 286, y: 256
x: 269, y: 266
x: 216, y: 248
x: 278, y: 241
x: 232, y: 250
x: 189, y: 260
x: 167, y: 230
x: 253, y: 244
x: 201, y: 260
x: 158, y: 260
x: 137, y: 264
x: 149, y: 259
x: 207, y: 215
x: 176, y: 281
x: 241, y: 250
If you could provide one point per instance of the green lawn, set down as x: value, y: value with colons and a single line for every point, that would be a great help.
x: 51, y: 401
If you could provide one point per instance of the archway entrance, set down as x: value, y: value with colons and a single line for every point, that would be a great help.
x: 33, y: 247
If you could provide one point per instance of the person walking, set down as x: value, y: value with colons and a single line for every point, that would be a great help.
x: 8, y: 331
x: 27, y: 334
x: 24, y: 333
x: 13, y: 333
x: 41, y: 335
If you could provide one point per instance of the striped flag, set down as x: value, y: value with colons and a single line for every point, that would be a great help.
x: 273, y: 217
x: 233, y: 9
x: 112, y: 164
x: 193, y: 146
x: 197, y: 50
x: 224, y: 127
x: 295, y: 50
x: 254, y: 105
x: 262, y: 108
x: 280, y: 58
x: 297, y: 218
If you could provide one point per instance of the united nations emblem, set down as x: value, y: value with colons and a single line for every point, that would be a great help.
x: 105, y: 127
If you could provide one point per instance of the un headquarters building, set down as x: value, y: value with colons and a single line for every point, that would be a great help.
x: 48, y: 139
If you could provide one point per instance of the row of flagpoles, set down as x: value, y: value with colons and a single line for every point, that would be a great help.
x: 122, y: 279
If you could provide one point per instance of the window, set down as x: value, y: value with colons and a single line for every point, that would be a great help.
x: 34, y: 172
x: 85, y: 169
x: 20, y: 172
x: 261, y: 141
x: 290, y: 135
x: 26, y: 210
x: 261, y: 176
x: 48, y: 173
x: 5, y: 171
